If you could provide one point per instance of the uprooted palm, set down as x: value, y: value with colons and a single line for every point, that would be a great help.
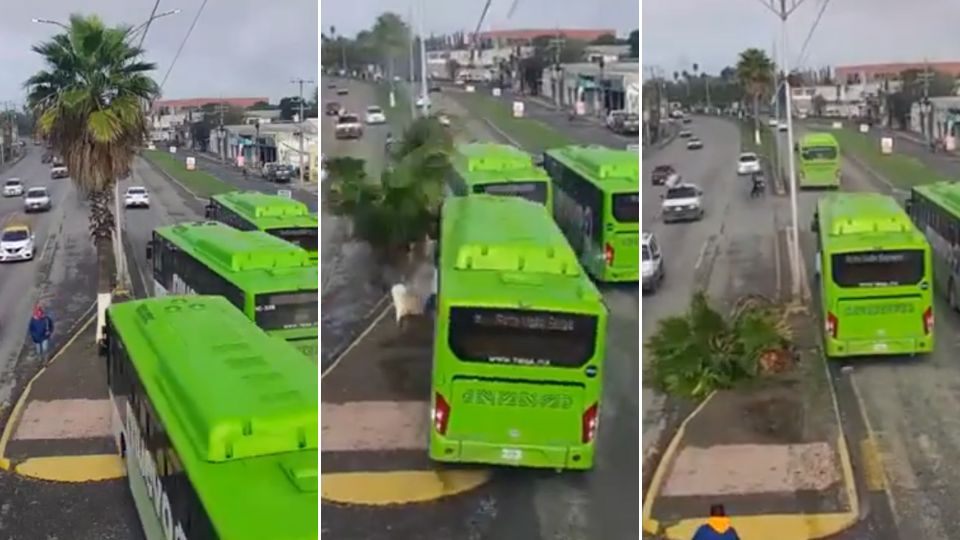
x: 700, y: 351
x: 89, y: 102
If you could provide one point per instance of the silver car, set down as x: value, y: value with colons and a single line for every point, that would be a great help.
x: 36, y: 200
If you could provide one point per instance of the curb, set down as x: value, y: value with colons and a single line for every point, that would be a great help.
x: 6, y: 463
x: 780, y: 526
x: 377, y: 312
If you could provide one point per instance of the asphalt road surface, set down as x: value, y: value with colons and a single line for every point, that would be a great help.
x: 911, y: 404
x: 63, y: 279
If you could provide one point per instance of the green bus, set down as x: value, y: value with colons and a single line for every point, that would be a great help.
x: 519, y: 340
x: 282, y: 217
x: 597, y: 205
x: 818, y: 161
x: 875, y: 275
x: 935, y: 209
x: 498, y: 169
x: 273, y: 282
x: 217, y: 422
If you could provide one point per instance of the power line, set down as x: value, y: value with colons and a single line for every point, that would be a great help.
x: 813, y: 27
x: 153, y: 13
x: 182, y: 44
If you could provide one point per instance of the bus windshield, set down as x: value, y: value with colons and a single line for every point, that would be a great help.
x: 284, y: 311
x: 305, y: 237
x: 819, y: 153
x: 534, y: 190
x: 878, y: 268
x: 522, y: 337
x: 626, y: 207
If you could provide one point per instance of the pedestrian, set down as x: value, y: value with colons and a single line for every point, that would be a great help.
x: 717, y: 526
x: 41, y: 328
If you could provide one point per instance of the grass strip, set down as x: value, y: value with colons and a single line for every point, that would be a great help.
x: 532, y: 135
x: 202, y: 184
x: 900, y: 170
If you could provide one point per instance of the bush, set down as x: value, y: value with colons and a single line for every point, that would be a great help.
x: 693, y: 354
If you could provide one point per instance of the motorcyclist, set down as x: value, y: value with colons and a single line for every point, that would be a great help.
x: 758, y: 184
x: 389, y: 142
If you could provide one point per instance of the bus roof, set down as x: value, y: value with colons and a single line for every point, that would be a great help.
x: 240, y: 407
x: 614, y: 171
x: 818, y: 139
x: 945, y: 194
x: 483, y: 163
x: 268, y: 211
x: 852, y: 219
x: 253, y: 260
x: 494, y: 248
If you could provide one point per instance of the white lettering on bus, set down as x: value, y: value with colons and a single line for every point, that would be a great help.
x: 148, y: 471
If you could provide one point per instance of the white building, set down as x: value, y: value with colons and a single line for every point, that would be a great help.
x: 615, y: 86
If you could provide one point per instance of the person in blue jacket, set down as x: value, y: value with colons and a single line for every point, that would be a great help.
x: 717, y: 526
x: 41, y: 328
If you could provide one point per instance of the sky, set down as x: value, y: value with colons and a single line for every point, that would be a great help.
x: 441, y: 16
x: 677, y: 33
x: 239, y: 48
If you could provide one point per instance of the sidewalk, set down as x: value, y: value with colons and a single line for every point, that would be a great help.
x: 60, y: 429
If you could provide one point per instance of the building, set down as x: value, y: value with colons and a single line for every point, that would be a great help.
x: 608, y: 53
x: 868, y: 73
x: 840, y: 100
x: 614, y: 86
x: 273, y: 142
x: 174, y: 106
x: 514, y: 38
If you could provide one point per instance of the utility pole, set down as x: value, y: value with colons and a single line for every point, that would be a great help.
x: 413, y: 100
x: 300, y: 83
x: 783, y: 12
x: 926, y: 109
x: 423, y: 60
x: 222, y: 142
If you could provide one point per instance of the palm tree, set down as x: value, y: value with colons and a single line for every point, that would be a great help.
x: 755, y: 72
x: 702, y: 350
x: 392, y: 38
x: 89, y: 104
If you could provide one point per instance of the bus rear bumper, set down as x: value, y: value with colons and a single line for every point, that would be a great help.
x: 578, y: 457
x: 837, y: 348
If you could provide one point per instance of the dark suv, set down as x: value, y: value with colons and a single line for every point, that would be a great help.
x: 661, y: 173
x: 332, y: 109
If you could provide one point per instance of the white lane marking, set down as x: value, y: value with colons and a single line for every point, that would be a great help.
x: 703, y: 252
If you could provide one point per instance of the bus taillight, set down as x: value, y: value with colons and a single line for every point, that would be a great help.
x: 928, y: 320
x: 588, y: 427
x: 832, y: 324
x: 608, y: 254
x: 441, y: 414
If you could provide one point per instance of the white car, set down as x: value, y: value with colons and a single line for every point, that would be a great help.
x: 136, y: 196
x: 694, y: 143
x: 772, y: 122
x: 748, y: 163
x: 421, y: 100
x: 16, y: 244
x: 651, y: 263
x: 782, y: 126
x: 59, y: 171
x: 13, y: 188
x: 375, y: 115
x: 682, y: 202
x: 36, y: 200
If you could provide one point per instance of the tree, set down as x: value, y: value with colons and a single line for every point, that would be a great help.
x: 605, y: 39
x: 755, y: 72
x: 391, y: 37
x: 401, y: 210
x: 819, y: 103
x: 262, y: 106
x: 290, y: 106
x: 693, y: 354
x: 89, y: 102
x: 634, y: 41
x: 453, y: 67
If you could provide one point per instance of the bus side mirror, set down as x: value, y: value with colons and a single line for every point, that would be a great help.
x: 208, y: 211
x: 907, y: 205
x: 149, y: 251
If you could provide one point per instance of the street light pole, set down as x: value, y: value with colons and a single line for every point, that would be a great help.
x: 300, y: 156
x: 425, y: 107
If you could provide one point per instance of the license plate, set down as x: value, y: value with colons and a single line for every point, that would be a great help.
x: 880, y: 347
x: 511, y: 454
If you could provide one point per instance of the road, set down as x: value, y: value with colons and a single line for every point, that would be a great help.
x: 910, y: 404
x: 64, y: 280
x: 349, y: 280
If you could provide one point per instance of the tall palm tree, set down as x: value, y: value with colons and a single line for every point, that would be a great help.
x: 755, y: 71
x: 89, y: 105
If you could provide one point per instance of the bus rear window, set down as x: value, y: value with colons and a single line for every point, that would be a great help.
x: 878, y: 268
x: 305, y: 237
x: 814, y: 153
x: 535, y: 191
x: 284, y: 311
x: 626, y: 207
x: 522, y: 337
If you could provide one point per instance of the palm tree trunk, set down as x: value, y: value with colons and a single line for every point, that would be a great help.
x: 101, y: 230
x: 756, y: 119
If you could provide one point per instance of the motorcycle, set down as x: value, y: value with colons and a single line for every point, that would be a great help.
x: 759, y: 187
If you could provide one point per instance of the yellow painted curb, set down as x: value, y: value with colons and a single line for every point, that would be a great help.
x: 12, y: 420
x: 86, y: 468
x: 398, y: 487
x: 779, y: 526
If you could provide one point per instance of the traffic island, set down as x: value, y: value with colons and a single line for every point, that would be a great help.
x: 60, y: 428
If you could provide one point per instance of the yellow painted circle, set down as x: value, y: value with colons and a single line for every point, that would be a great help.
x: 398, y: 487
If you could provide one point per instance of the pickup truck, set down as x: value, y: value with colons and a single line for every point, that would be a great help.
x: 349, y: 127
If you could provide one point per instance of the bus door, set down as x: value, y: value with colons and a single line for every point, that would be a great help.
x: 621, y: 249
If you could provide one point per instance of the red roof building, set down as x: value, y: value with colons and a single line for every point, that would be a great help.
x: 865, y: 73
x: 176, y: 105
